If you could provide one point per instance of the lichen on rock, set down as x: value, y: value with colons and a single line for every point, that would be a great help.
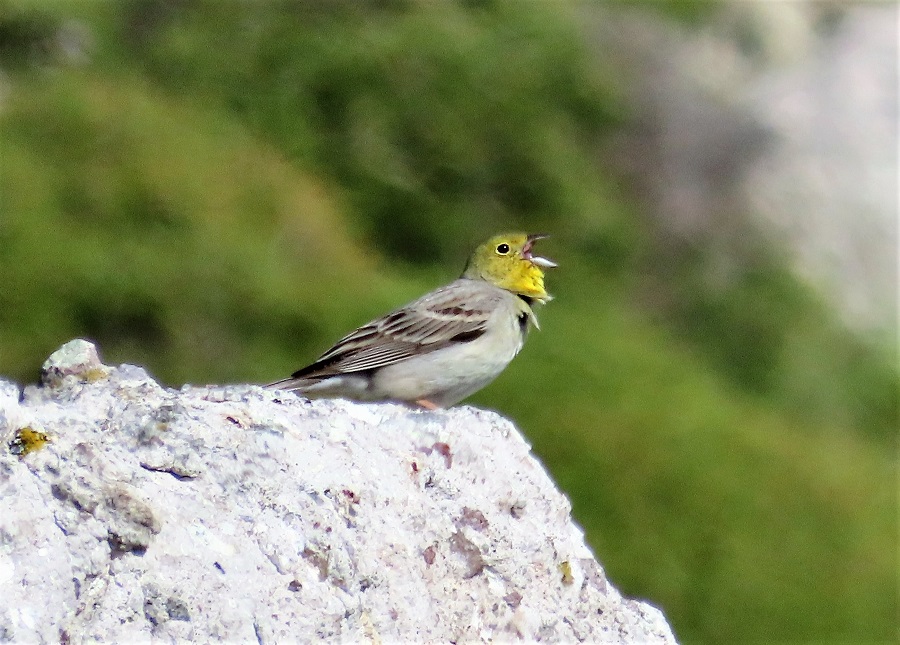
x: 235, y: 513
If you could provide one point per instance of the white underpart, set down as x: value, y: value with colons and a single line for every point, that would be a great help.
x: 449, y: 375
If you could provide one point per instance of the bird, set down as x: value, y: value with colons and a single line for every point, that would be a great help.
x: 437, y: 350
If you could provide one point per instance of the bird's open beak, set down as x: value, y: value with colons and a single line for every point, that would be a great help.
x: 536, y: 259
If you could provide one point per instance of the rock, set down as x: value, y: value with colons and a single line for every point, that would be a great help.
x: 240, y: 514
x: 794, y: 136
x: 78, y: 358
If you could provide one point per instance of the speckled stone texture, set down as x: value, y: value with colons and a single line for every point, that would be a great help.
x: 239, y: 514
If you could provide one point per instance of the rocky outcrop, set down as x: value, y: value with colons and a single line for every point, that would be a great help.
x: 130, y: 512
x: 794, y: 136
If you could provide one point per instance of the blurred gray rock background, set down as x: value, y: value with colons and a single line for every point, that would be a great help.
x: 777, y: 116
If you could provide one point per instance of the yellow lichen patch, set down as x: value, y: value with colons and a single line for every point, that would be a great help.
x: 566, y: 570
x: 27, y: 440
x: 88, y: 375
x: 95, y: 374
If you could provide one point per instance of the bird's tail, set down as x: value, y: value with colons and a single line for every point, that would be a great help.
x: 319, y: 386
x: 292, y: 384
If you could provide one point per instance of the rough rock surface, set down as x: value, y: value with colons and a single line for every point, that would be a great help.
x: 238, y: 514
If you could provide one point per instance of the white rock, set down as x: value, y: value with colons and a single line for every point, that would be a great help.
x: 240, y: 514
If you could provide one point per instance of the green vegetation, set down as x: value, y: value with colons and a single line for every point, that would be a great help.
x: 223, y: 189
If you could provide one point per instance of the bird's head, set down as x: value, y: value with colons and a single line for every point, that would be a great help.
x: 507, y: 261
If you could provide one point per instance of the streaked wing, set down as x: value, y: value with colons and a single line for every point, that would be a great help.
x: 453, y: 314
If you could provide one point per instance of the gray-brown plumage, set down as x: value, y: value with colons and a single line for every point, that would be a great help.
x: 449, y: 343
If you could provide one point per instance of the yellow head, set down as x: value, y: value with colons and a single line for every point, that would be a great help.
x: 506, y: 261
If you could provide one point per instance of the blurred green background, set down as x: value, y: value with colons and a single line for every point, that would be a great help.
x: 219, y: 190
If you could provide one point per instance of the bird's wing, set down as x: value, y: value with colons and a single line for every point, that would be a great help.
x: 456, y: 313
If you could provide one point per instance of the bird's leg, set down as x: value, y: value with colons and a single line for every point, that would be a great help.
x: 427, y: 405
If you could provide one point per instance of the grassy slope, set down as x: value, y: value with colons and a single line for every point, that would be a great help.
x: 164, y: 225
x: 162, y: 228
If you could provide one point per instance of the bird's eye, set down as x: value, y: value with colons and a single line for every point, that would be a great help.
x: 503, y: 249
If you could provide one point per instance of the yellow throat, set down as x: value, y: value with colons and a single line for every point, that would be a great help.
x: 506, y: 261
